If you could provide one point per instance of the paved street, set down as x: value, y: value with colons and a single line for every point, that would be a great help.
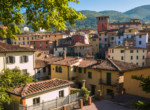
x: 104, y: 105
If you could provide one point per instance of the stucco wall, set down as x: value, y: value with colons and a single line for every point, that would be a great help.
x: 29, y: 65
x: 47, y: 96
x: 132, y: 86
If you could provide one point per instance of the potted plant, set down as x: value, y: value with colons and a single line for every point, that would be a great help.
x: 85, y: 94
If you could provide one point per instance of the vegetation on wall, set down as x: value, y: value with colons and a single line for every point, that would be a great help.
x: 145, y: 85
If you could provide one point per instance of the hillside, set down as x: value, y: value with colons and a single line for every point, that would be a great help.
x: 142, y: 13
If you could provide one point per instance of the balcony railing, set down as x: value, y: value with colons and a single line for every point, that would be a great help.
x: 102, y: 82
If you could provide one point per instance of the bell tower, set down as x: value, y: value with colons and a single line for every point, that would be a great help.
x: 102, y: 23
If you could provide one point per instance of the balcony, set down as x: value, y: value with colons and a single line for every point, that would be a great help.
x: 113, y: 84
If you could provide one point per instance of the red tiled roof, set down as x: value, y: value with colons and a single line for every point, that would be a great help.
x: 67, y: 61
x: 4, y: 47
x: 115, y: 65
x: 40, y: 63
x: 78, y: 44
x: 127, y: 47
x: 41, y: 86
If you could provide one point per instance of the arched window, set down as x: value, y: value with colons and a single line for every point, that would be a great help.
x: 60, y: 69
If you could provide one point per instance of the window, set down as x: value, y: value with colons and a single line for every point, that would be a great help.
x: 46, y: 47
x: 49, y: 35
x: 56, y: 69
x: 55, y: 35
x: 36, y: 100
x: 137, y: 57
x: 55, y: 49
x: 74, y: 69
x: 137, y: 51
x: 137, y: 63
x: 80, y: 70
x: 105, y: 39
x: 19, y: 38
x: 46, y: 42
x: 99, y: 38
x: 10, y: 60
x: 109, y: 92
x: 27, y: 38
x: 60, y: 70
x: 143, y: 51
x: 32, y: 38
x: 140, y: 36
x: 112, y: 50
x: 61, y: 93
x: 140, y: 42
x: 72, y: 37
x: 23, y: 38
x: 131, y: 57
x: 143, y: 64
x: 112, y: 38
x: 121, y: 51
x: 90, y: 75
x: 23, y: 43
x: 121, y: 57
x: 44, y: 69
x: 28, y: 42
x: 24, y: 71
x: 143, y: 57
x: 84, y: 70
x: 131, y: 51
x: 40, y: 42
x: 23, y: 59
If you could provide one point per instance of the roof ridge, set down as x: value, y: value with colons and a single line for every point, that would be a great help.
x: 114, y: 64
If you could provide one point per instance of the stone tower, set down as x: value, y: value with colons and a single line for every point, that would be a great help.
x: 102, y: 23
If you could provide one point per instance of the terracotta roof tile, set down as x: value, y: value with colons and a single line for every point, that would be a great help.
x: 41, y: 86
x: 40, y: 63
x: 4, y: 47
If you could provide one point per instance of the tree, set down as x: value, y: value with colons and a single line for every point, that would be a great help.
x: 145, y: 84
x: 40, y: 13
x: 8, y: 79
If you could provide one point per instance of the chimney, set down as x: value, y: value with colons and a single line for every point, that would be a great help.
x: 64, y: 55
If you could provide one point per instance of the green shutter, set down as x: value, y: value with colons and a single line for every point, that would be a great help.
x: 108, y: 78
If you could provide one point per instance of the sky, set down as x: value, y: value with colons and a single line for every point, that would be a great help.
x: 101, y: 5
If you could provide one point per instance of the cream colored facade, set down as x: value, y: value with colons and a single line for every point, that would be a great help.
x: 132, y: 86
x: 24, y: 39
x: 95, y: 44
x: 28, y: 66
x: 136, y: 56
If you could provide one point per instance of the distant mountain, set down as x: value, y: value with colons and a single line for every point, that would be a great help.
x: 142, y: 13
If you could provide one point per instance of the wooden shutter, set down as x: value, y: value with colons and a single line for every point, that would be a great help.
x: 13, y: 59
x: 21, y: 59
x: 7, y: 60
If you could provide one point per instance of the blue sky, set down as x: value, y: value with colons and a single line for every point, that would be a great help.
x: 100, y: 5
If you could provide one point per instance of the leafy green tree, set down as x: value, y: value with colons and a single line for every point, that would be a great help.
x: 145, y: 84
x: 8, y: 79
x: 85, y: 93
x: 40, y: 13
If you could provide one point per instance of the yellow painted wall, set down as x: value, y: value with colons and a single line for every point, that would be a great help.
x: 63, y: 75
x: 132, y: 86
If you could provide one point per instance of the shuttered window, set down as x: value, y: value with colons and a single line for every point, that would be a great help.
x: 10, y: 59
x: 23, y: 59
